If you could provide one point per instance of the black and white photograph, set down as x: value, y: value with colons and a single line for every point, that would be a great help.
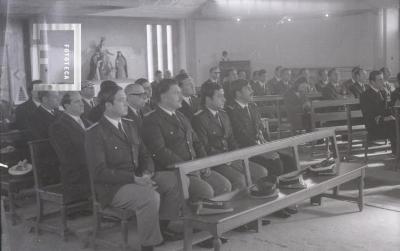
x: 225, y: 125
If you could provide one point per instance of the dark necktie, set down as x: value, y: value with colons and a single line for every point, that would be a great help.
x: 91, y: 103
x: 121, y: 129
x: 216, y: 116
x: 248, y: 111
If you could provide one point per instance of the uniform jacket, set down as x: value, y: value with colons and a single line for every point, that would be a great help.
x: 373, y: 104
x: 247, y: 130
x: 170, y: 141
x: 113, y: 158
x: 215, y: 134
x: 23, y: 113
x: 356, y: 89
x: 68, y: 140
x: 40, y: 122
x: 190, y: 110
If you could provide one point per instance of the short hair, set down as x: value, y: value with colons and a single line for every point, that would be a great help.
x: 320, y: 71
x: 278, y: 68
x: 255, y: 73
x: 358, y: 71
x: 238, y: 85
x: 107, y: 94
x: 107, y: 83
x: 141, y: 81
x: 157, y: 72
x: 373, y: 74
x: 355, y: 69
x: 42, y: 94
x: 66, y: 98
x: 283, y: 70
x: 261, y: 72
x: 224, y: 53
x: 207, y: 90
x: 34, y: 82
x: 331, y: 71
x: 180, y: 77
x: 213, y: 69
x: 163, y: 87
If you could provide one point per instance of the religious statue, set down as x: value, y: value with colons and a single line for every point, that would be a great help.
x: 120, y: 66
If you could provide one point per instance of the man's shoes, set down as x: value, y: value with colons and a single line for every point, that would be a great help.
x: 169, y: 235
x: 282, y: 214
x: 209, y: 243
x: 291, y: 210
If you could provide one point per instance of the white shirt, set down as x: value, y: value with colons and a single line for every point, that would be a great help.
x: 213, y: 112
x: 48, y: 110
x: 187, y: 100
x: 167, y: 111
x: 36, y: 103
x: 241, y: 104
x: 115, y: 122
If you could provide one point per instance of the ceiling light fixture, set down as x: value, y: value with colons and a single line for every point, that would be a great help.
x: 326, y: 14
x: 238, y: 19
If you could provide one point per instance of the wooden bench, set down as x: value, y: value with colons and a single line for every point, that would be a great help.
x: 248, y: 209
x: 340, y: 116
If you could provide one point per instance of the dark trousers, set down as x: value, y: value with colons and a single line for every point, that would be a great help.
x: 284, y: 164
x: 386, y: 130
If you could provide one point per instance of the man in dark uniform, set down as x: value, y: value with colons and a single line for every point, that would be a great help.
x: 171, y: 139
x: 157, y: 78
x: 378, y: 118
x: 231, y: 75
x: 332, y: 90
x: 346, y: 84
x: 87, y: 93
x: 276, y: 78
x: 67, y: 135
x: 150, y: 104
x: 45, y: 114
x: 323, y: 79
x: 214, y: 129
x: 123, y: 171
x: 283, y: 85
x: 359, y: 86
x: 248, y: 130
x: 190, y: 102
x: 260, y: 86
x: 24, y: 111
x: 136, y: 97
x: 96, y: 112
x: 214, y: 75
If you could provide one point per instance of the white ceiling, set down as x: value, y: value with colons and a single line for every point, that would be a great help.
x: 177, y: 9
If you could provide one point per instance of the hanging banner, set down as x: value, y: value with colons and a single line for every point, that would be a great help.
x: 56, y: 56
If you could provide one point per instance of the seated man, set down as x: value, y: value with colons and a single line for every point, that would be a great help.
x: 214, y: 129
x: 171, y: 139
x: 123, y: 171
x: 95, y: 114
x: 395, y: 97
x: 273, y: 82
x: 136, y: 98
x: 248, y: 130
x: 67, y: 135
x: 45, y: 114
x: 87, y: 93
x: 322, y: 79
x: 24, y: 111
x: 375, y: 108
x: 283, y: 85
x: 359, y: 86
x: 149, y: 105
x: 190, y: 102
x: 333, y: 89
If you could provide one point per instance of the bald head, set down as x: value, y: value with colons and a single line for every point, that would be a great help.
x: 136, y: 96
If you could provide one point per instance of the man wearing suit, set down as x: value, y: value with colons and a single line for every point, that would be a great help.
x: 87, y: 93
x: 45, y: 114
x: 323, y: 80
x: 276, y: 79
x: 24, y: 111
x: 190, y: 102
x: 67, y: 135
x: 171, y: 139
x: 248, y: 131
x: 230, y: 77
x: 346, y: 84
x: 96, y: 112
x: 282, y: 86
x: 150, y: 104
x: 357, y: 88
x: 395, y: 97
x: 157, y: 78
x: 136, y: 97
x: 214, y: 75
x: 260, y: 86
x: 123, y: 171
x: 214, y: 130
x: 332, y: 90
x: 378, y: 119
